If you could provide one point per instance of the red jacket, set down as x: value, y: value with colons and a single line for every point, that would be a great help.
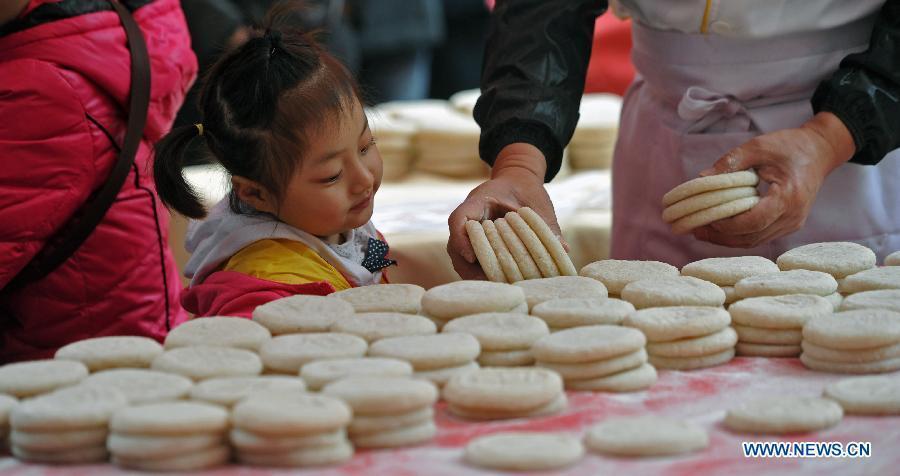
x: 228, y: 293
x: 64, y: 64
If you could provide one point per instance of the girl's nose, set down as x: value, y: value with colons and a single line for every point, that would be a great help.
x: 363, y: 178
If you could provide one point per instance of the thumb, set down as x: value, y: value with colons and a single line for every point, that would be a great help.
x: 459, y: 239
x: 734, y: 161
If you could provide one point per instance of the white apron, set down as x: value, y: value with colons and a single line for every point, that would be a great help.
x: 698, y: 96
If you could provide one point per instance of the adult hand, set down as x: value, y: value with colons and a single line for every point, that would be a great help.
x: 794, y: 162
x: 517, y: 180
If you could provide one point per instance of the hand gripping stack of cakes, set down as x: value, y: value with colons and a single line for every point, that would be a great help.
x: 497, y: 393
x: 597, y: 358
x: 505, y: 338
x: 388, y: 412
x: 703, y: 200
x: 169, y: 436
x: 291, y: 429
x: 517, y: 247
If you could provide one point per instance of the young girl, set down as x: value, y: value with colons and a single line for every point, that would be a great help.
x: 286, y: 120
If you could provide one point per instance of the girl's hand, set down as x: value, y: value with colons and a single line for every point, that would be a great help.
x: 517, y: 180
x: 795, y: 163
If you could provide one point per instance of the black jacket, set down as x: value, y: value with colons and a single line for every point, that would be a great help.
x: 536, y: 60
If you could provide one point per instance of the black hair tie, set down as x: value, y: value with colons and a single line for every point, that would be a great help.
x: 274, y: 37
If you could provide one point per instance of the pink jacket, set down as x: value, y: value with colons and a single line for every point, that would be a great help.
x: 64, y: 65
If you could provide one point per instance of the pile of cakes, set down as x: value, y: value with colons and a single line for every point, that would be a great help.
x: 388, y: 412
x: 841, y: 260
x: 394, y: 137
x: 795, y: 281
x: 67, y: 426
x: 597, y: 358
x: 859, y: 342
x: 505, y: 338
x: 436, y: 358
x: 594, y: 139
x: 565, y: 313
x: 685, y: 337
x: 302, y: 314
x: 538, y: 291
x: 322, y: 372
x: 373, y: 326
x: 771, y: 326
x: 290, y: 429
x: 726, y: 272
x: 497, y: 393
x: 287, y: 354
x: 463, y: 298
x: 402, y: 298
x: 169, y: 436
x: 445, y: 141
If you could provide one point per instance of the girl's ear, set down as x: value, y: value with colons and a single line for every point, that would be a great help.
x: 254, y: 194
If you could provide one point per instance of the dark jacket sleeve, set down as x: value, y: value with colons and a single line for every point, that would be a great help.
x: 865, y: 91
x: 533, y: 75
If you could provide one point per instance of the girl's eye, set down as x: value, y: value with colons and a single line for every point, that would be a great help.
x: 365, y: 150
x: 333, y: 178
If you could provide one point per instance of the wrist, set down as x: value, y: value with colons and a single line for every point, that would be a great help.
x: 520, y: 158
x: 832, y: 130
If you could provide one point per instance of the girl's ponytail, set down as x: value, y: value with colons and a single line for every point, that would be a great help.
x: 168, y: 165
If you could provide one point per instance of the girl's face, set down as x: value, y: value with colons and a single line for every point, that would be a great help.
x: 333, y: 189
